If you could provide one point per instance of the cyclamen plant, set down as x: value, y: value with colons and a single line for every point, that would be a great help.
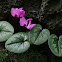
x: 20, y: 42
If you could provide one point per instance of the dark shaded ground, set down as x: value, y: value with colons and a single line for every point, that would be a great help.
x: 47, y: 13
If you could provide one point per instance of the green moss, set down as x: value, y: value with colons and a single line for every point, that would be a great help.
x: 3, y: 54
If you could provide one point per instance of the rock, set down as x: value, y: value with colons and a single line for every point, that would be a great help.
x: 5, y: 7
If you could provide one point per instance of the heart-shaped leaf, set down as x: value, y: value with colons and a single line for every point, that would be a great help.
x: 17, y: 43
x: 55, y: 45
x: 38, y: 36
x: 6, y: 30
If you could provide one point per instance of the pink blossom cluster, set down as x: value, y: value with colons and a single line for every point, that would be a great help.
x: 15, y: 12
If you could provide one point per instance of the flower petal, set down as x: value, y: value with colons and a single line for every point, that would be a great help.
x: 30, y: 19
x: 20, y: 8
x: 15, y: 12
x: 30, y: 26
x: 23, y: 21
x: 21, y: 12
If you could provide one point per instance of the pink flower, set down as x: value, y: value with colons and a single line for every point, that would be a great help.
x: 26, y: 23
x: 15, y: 12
